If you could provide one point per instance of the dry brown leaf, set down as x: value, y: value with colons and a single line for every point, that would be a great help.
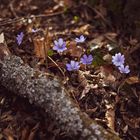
x: 82, y: 30
x: 4, y: 51
x: 110, y: 116
x: 133, y: 41
x: 100, y: 11
x: 33, y: 132
x: 98, y: 40
x: 39, y: 47
x: 8, y: 133
x: 74, y: 50
x: 125, y: 129
x: 2, y: 38
x: 85, y: 91
x: 108, y: 58
x: 84, y: 83
x: 65, y: 3
x: 25, y: 133
x: 2, y: 100
x: 111, y: 36
x: 107, y: 74
x: 82, y: 79
x: 6, y: 116
x: 133, y: 80
x: 91, y: 110
x: 132, y: 122
x: 1, y: 136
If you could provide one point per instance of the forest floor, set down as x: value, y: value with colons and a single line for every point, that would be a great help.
x: 99, y: 89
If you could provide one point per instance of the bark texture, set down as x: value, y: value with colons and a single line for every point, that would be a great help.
x: 48, y: 93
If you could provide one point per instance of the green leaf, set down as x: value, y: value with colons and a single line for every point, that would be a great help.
x: 50, y: 53
x: 76, y: 18
x: 98, y: 59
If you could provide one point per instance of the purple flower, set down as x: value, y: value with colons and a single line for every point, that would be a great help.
x: 35, y: 30
x: 86, y: 59
x: 20, y: 38
x: 59, y: 45
x: 81, y: 39
x: 73, y: 65
x: 124, y: 69
x: 118, y: 59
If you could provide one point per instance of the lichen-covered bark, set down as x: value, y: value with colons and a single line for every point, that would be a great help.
x: 48, y: 93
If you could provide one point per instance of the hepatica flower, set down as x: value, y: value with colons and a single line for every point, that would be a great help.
x: 86, y: 59
x: 81, y: 39
x: 19, y: 38
x: 118, y: 59
x: 73, y: 65
x: 124, y: 69
x: 35, y: 30
x: 59, y: 45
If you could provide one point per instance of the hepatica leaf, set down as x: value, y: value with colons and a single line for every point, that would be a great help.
x: 98, y: 60
x: 50, y: 52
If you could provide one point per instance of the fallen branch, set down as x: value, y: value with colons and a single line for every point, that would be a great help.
x: 25, y: 19
x: 48, y: 93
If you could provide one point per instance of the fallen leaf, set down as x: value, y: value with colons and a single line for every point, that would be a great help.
x: 8, y: 133
x: 6, y: 117
x: 132, y: 122
x: 25, y: 133
x: 82, y: 30
x: 133, y: 80
x: 98, y: 42
x: 110, y: 116
x: 107, y: 74
x: 1, y: 136
x: 85, y: 91
x: 4, y: 51
x: 33, y: 132
x: 39, y: 47
x: 133, y: 41
x: 91, y: 110
x: 82, y: 79
x: 111, y: 36
x: 2, y: 38
x: 125, y: 129
x: 65, y: 3
x: 74, y: 50
x: 108, y: 58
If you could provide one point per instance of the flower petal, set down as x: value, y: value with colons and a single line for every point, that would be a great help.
x: 55, y: 47
x: 60, y: 41
x: 55, y: 42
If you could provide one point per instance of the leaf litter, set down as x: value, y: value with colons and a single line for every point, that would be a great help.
x: 99, y: 89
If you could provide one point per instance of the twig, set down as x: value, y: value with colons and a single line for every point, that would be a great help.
x: 98, y: 13
x: 56, y: 65
x: 23, y: 19
x: 12, y: 9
